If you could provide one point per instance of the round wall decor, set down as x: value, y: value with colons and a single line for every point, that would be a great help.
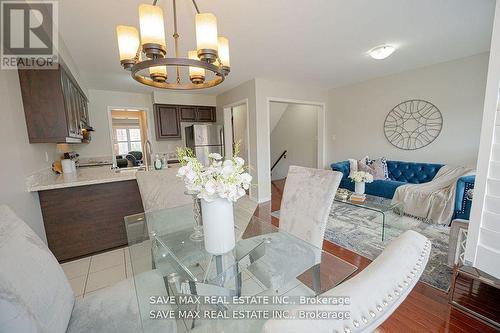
x: 413, y: 124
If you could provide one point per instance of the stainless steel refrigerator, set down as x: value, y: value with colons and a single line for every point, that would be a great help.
x: 205, y: 139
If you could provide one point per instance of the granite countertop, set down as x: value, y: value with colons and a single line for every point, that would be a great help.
x: 48, y: 180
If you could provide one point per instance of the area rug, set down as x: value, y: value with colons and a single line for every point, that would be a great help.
x: 360, y: 230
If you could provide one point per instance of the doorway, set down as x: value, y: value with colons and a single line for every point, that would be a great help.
x: 129, y: 134
x: 294, y: 138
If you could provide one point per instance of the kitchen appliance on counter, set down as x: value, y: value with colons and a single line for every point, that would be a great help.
x: 205, y: 139
x: 73, y: 156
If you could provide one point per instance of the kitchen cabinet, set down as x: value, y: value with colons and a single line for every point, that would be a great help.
x: 188, y: 113
x: 87, y: 219
x: 55, y: 107
x: 167, y: 122
x: 168, y: 118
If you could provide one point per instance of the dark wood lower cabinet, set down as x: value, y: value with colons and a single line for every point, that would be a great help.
x: 87, y: 219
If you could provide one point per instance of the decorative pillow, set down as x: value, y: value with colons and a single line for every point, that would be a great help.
x: 377, y: 168
x: 353, y: 164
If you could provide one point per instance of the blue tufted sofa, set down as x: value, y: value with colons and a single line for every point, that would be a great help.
x: 401, y: 173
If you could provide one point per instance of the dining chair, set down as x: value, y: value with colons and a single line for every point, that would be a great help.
x: 374, y: 294
x: 162, y: 189
x: 35, y: 295
x: 306, y: 202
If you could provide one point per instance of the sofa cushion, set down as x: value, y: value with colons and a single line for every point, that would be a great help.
x: 411, y: 172
x: 383, y: 188
x: 35, y: 295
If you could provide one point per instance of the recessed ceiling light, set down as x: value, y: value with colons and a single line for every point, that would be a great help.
x: 381, y: 52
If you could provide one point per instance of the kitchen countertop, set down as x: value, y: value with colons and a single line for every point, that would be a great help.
x: 48, y: 180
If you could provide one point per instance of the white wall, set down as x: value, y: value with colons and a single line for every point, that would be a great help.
x: 101, y: 100
x: 245, y: 91
x: 356, y: 113
x: 295, y: 132
x: 20, y: 157
x: 483, y: 239
x: 275, y: 113
x: 240, y: 129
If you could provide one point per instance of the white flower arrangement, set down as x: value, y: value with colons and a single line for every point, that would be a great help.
x: 361, y: 176
x: 226, y: 179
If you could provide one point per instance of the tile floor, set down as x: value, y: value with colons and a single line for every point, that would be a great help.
x: 99, y: 271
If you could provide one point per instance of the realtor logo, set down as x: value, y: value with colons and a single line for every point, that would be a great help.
x: 29, y: 37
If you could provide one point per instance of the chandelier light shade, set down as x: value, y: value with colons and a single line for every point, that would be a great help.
x: 128, y: 42
x: 223, y: 51
x: 147, y: 59
x: 158, y: 73
x: 206, y: 36
x: 152, y: 30
x: 196, y: 74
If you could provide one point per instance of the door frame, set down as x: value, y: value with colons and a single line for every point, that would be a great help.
x: 126, y: 109
x: 321, y: 158
x: 228, y: 131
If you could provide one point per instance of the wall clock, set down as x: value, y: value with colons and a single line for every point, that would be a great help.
x: 413, y: 124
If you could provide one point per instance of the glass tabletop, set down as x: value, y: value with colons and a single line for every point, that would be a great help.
x: 372, y: 202
x: 174, y: 276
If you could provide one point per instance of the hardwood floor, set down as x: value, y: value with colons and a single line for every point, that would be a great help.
x: 426, y: 309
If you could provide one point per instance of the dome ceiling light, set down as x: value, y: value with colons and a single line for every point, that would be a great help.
x: 381, y: 52
x: 146, y: 57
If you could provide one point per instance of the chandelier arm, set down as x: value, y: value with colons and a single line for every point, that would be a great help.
x: 196, y: 6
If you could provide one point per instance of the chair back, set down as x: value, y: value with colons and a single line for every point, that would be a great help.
x: 307, y: 199
x: 374, y: 294
x: 162, y: 189
x: 35, y: 295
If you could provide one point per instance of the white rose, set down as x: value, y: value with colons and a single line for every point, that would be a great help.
x: 182, y: 171
x: 211, y: 186
x: 239, y: 161
x: 228, y: 170
x: 215, y: 156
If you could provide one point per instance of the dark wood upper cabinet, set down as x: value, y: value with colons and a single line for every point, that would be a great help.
x: 167, y: 122
x: 168, y: 118
x: 204, y: 113
x: 188, y: 113
x: 55, y: 107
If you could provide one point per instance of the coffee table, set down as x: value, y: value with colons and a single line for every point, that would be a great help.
x: 379, y: 205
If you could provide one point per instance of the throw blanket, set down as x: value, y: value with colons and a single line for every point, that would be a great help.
x: 433, y: 201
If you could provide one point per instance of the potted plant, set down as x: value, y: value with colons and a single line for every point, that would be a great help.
x: 360, y: 178
x: 218, y: 185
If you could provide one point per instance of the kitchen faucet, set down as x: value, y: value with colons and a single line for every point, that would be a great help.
x: 147, y: 154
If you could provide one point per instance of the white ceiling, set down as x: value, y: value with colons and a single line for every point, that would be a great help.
x: 321, y: 42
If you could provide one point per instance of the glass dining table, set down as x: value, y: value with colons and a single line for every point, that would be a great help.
x: 180, y: 287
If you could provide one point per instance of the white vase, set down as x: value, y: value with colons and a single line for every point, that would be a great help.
x: 359, y: 187
x: 218, y: 225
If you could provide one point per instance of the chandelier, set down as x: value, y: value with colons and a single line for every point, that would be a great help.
x: 146, y: 59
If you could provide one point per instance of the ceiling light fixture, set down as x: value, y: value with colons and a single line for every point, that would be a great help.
x: 381, y: 52
x: 208, y: 65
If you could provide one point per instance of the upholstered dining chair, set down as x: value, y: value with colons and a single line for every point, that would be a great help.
x: 306, y: 202
x: 374, y: 294
x: 162, y: 189
x: 36, y: 297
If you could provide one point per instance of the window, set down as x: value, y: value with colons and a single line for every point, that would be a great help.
x: 127, y: 139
